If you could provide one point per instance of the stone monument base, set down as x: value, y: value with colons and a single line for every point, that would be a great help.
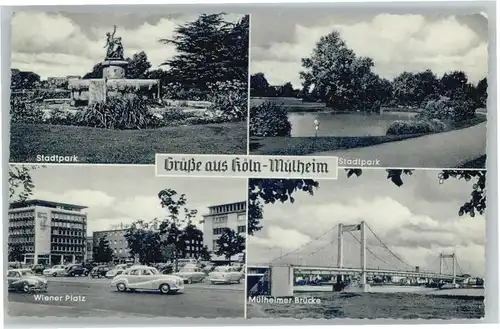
x: 114, y: 69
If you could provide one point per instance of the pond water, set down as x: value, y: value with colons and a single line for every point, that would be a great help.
x: 349, y: 124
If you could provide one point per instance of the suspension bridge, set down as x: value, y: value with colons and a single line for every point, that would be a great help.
x: 376, y: 260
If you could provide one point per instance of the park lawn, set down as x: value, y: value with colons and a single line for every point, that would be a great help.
x: 97, y: 145
x: 309, y: 145
x: 474, y: 164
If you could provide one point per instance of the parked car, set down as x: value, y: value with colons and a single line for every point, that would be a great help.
x: 224, y: 274
x: 75, y: 269
x: 99, y: 271
x: 191, y: 274
x: 38, y: 269
x: 118, y: 269
x: 56, y: 270
x: 147, y: 278
x: 26, y: 281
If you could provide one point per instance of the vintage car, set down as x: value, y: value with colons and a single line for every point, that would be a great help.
x: 118, y: 269
x: 56, y: 270
x: 224, y: 274
x: 38, y: 269
x: 191, y: 274
x: 147, y: 278
x: 76, y: 269
x: 25, y: 280
x: 99, y: 271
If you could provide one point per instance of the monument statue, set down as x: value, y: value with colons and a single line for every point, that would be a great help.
x: 114, y: 45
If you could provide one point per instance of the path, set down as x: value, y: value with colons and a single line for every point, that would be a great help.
x: 443, y: 150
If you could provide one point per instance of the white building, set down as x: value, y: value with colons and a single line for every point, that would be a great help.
x: 48, y: 232
x: 220, y: 217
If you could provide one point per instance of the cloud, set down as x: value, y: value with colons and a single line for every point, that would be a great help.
x: 88, y: 198
x: 396, y: 43
x: 54, y: 45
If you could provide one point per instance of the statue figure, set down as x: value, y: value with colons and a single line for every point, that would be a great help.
x: 114, y: 45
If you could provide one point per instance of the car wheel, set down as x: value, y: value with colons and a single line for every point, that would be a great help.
x: 26, y: 288
x: 212, y: 282
x: 72, y: 274
x: 165, y: 288
x: 54, y: 274
x: 238, y: 281
x: 121, y: 287
x: 190, y: 280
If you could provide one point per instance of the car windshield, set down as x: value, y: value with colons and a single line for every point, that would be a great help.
x: 59, y: 266
x: 27, y: 273
x: 221, y: 269
x: 154, y: 271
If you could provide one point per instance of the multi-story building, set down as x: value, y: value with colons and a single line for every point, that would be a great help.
x: 47, y: 232
x: 220, y: 217
x: 117, y: 242
x: 90, y: 249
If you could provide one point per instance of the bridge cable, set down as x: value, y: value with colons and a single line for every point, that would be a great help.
x: 386, y: 247
x: 371, y: 252
x: 303, y: 246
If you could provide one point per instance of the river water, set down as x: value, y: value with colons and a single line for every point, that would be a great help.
x: 386, y: 305
x: 346, y: 124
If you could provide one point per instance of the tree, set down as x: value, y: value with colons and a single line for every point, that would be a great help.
x: 454, y: 85
x: 229, y: 244
x: 259, y: 86
x: 329, y: 71
x: 101, y: 252
x: 286, y: 90
x: 481, y: 93
x: 265, y: 191
x: 209, y: 50
x: 16, y: 253
x: 144, y: 240
x: 404, y: 89
x: 170, y: 228
x: 21, y: 80
x: 205, y: 254
x: 21, y: 183
x: 138, y: 66
x: 96, y: 72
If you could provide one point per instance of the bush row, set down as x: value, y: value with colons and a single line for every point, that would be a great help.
x: 416, y: 127
x: 228, y: 102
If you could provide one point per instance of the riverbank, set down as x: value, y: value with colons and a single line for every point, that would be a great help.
x: 310, y: 145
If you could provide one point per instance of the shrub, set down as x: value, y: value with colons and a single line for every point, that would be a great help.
x: 269, y: 120
x: 60, y: 117
x: 416, y: 127
x: 26, y: 110
x: 128, y: 111
x: 453, y: 110
x: 175, y: 114
x: 229, y: 101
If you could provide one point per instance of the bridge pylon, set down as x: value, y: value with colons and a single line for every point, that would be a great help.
x: 361, y: 227
x: 453, y: 257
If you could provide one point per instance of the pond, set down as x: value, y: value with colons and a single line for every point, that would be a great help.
x: 346, y: 124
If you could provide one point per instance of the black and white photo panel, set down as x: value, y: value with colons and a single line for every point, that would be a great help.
x: 118, y: 88
x: 400, y: 90
x: 411, y: 246
x: 89, y: 241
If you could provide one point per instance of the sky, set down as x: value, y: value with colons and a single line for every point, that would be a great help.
x: 416, y: 221
x: 122, y: 194
x: 56, y: 44
x: 396, y: 42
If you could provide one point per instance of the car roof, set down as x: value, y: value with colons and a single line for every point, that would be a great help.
x: 135, y: 267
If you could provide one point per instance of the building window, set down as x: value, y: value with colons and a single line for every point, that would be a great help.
x: 220, y: 219
x: 242, y: 217
x: 242, y: 229
x: 219, y: 230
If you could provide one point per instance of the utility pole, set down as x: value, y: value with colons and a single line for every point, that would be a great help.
x: 363, y: 253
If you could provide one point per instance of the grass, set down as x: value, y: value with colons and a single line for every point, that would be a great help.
x: 97, y: 145
x: 309, y: 145
x: 476, y: 163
